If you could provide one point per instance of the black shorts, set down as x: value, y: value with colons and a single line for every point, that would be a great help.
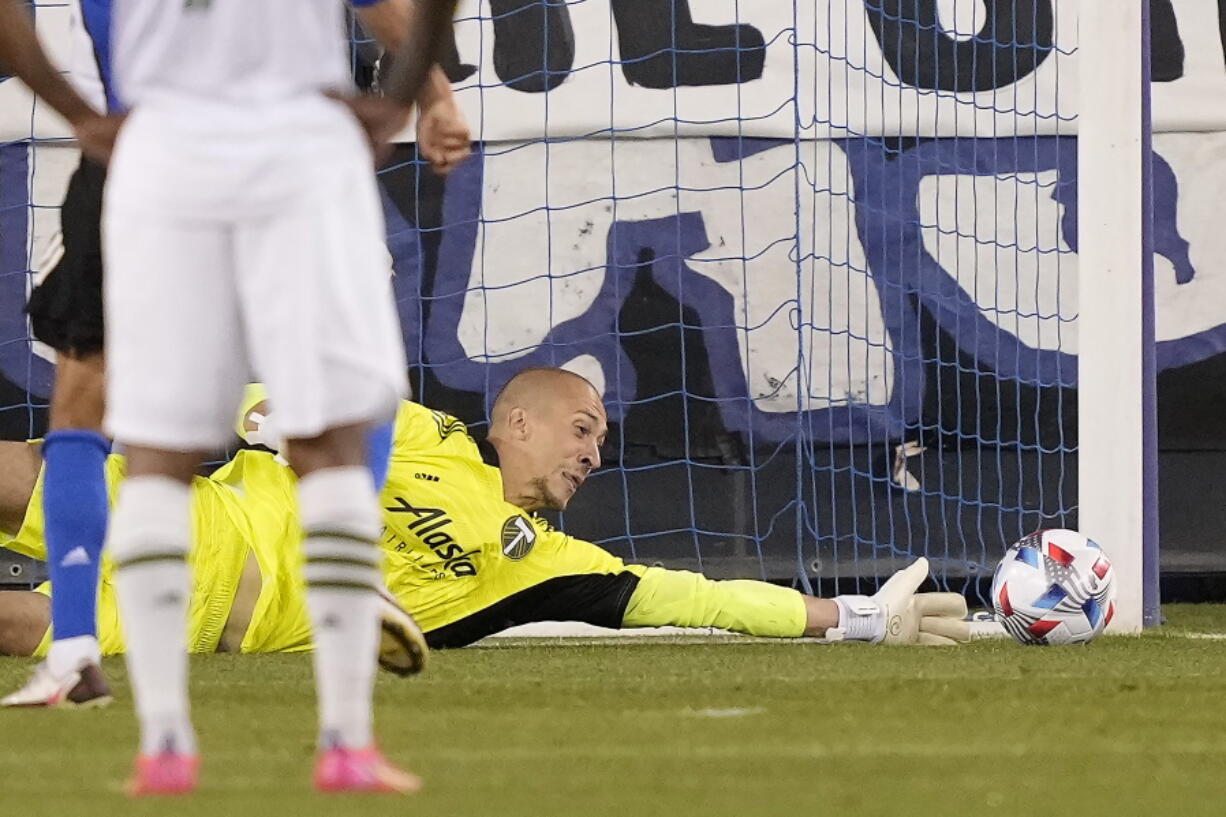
x: 66, y: 308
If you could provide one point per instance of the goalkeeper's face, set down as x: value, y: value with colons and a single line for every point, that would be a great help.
x: 566, y: 435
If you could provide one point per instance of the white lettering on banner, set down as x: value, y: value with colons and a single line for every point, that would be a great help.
x: 1000, y: 238
x: 534, y: 272
x: 833, y: 336
x: 1191, y: 295
x: 806, y: 302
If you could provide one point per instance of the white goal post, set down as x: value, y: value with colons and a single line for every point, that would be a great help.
x: 1117, y: 481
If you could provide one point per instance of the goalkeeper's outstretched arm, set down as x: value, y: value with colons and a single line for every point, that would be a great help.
x: 895, y: 614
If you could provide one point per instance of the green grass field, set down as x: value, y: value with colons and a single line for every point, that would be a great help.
x: 1126, y: 726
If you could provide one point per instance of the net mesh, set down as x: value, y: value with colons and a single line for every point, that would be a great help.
x: 819, y: 260
x: 817, y: 257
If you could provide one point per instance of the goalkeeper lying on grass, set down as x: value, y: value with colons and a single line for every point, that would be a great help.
x: 462, y: 549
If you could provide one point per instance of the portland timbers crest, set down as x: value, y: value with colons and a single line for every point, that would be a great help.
x: 518, y: 537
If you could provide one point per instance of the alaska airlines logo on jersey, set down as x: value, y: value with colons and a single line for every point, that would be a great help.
x: 431, y: 526
x: 447, y: 425
x: 518, y: 537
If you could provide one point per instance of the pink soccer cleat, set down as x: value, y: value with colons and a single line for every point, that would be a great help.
x: 167, y: 773
x: 339, y: 770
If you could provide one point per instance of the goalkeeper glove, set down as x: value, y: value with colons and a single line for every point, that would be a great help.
x: 897, y: 614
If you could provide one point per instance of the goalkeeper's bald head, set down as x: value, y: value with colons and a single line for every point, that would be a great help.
x: 547, y: 425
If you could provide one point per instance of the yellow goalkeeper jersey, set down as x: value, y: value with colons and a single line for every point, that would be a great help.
x: 461, y: 559
x: 222, y: 533
x: 464, y: 561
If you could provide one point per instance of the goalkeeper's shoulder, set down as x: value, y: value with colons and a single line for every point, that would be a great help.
x: 418, y: 429
x: 423, y: 430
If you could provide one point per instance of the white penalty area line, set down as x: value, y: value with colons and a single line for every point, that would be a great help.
x: 579, y: 634
x: 577, y: 629
x: 1200, y: 636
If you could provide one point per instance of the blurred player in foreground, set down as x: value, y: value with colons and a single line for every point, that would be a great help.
x: 66, y: 314
x: 463, y: 550
x: 242, y: 230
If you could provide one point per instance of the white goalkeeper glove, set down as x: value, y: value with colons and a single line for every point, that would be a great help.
x: 897, y: 614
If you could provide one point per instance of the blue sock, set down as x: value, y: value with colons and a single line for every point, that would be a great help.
x: 379, y: 452
x: 75, y: 512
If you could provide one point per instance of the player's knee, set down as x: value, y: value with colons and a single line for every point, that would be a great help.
x: 24, y: 619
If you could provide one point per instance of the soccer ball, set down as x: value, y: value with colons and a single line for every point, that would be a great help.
x: 1054, y: 587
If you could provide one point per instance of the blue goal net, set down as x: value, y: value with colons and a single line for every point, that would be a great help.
x: 816, y: 257
x: 819, y: 258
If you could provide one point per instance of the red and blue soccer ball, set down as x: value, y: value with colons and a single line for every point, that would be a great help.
x: 1054, y: 587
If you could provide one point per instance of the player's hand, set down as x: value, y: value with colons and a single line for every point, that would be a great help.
x: 96, y: 134
x: 381, y: 118
x: 941, y: 619
x: 443, y: 137
x: 897, y: 614
x: 929, y: 619
x: 896, y: 602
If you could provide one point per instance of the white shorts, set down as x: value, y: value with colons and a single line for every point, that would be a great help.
x: 265, y: 262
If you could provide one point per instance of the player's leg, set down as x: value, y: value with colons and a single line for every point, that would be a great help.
x: 75, y: 511
x: 66, y: 314
x: 338, y: 511
x: 75, y: 507
x: 176, y: 367
x: 19, y: 467
x: 325, y: 337
x: 379, y: 451
x: 24, y: 619
x: 340, y: 520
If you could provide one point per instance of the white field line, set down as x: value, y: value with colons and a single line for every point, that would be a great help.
x: 735, y: 712
x: 576, y: 629
x: 1201, y: 636
x: 574, y: 632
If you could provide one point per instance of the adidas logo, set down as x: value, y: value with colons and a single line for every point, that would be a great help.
x: 75, y: 558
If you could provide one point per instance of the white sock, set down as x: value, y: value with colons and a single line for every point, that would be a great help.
x: 70, y: 654
x: 149, y: 539
x: 340, y: 517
